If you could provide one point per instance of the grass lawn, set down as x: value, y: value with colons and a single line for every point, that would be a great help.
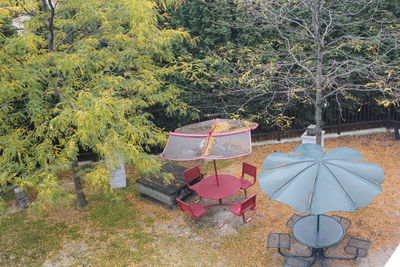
x: 133, y: 231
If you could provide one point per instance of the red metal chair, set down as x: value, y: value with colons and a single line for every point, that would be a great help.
x: 239, y: 209
x: 195, y: 210
x: 192, y: 177
x: 250, y: 170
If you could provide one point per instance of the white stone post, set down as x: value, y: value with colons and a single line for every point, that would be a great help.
x: 118, y: 176
x: 309, y: 136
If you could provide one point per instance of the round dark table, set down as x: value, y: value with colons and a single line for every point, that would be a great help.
x: 208, y: 188
x: 329, y: 234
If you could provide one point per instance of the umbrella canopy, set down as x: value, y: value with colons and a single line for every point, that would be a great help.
x: 313, y: 181
x: 212, y: 139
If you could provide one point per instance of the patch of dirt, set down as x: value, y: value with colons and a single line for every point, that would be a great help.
x: 71, y: 253
x: 13, y: 207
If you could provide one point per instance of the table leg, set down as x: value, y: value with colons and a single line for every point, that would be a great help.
x: 315, y: 254
x: 319, y: 255
x: 321, y: 260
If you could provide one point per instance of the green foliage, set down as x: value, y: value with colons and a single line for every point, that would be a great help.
x: 219, y: 75
x: 121, y: 72
x: 243, y: 66
x: 95, y: 89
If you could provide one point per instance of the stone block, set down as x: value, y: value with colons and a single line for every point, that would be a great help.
x: 307, y: 139
x: 165, y: 191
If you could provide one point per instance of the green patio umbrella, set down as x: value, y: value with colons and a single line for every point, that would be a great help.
x: 314, y: 181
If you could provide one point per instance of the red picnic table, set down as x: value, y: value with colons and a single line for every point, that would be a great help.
x: 211, y: 188
x: 214, y: 140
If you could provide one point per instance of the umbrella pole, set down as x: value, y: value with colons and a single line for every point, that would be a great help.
x: 318, y: 223
x: 216, y: 173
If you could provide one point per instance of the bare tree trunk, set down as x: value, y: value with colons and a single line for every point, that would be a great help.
x: 82, y: 202
x: 318, y: 117
x: 316, y: 17
x: 50, y: 38
x: 80, y: 196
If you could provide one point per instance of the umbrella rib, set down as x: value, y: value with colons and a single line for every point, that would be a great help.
x: 208, y: 144
x: 353, y: 173
x: 344, y: 189
x: 292, y: 163
x: 291, y: 178
x: 315, y: 184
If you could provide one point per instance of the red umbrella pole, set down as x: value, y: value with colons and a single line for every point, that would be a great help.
x: 216, y: 173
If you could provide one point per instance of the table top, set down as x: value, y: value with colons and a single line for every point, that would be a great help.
x: 208, y: 188
x: 330, y: 231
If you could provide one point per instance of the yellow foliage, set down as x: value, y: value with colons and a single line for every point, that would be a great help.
x: 92, y: 91
x: 357, y: 47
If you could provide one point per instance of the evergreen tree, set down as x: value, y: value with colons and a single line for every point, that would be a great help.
x: 249, y: 62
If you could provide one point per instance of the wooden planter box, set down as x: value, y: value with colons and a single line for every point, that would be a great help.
x: 157, y: 188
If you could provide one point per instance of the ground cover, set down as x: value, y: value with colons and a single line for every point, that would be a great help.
x: 130, y: 230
